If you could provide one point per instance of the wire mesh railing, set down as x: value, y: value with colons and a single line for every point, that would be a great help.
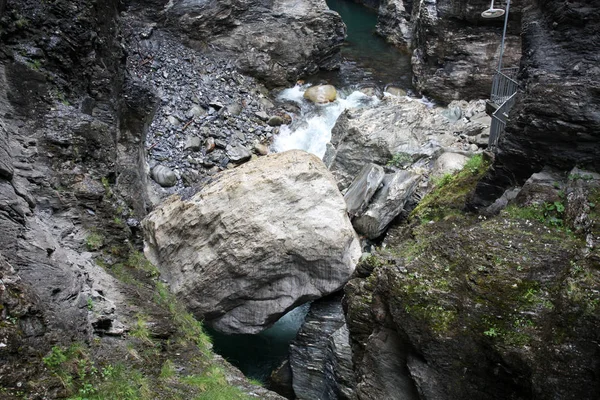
x: 504, y: 85
x: 499, y: 118
x: 504, y: 90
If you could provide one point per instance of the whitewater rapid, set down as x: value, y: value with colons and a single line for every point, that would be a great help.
x: 312, y: 131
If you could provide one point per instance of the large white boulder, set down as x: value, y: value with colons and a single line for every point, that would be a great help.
x: 258, y: 241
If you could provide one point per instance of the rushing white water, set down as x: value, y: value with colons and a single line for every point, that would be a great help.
x: 312, y: 131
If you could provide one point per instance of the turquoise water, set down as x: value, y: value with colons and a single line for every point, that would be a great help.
x: 258, y: 355
x: 368, y: 59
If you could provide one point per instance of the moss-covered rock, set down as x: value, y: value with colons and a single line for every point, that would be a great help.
x: 451, y: 192
x: 503, y: 308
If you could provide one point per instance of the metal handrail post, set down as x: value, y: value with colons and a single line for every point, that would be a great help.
x: 503, y: 35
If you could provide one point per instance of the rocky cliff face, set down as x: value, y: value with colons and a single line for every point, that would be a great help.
x: 277, y: 42
x: 555, y: 120
x: 503, y: 308
x: 72, y: 192
x: 320, y: 356
x: 454, y: 50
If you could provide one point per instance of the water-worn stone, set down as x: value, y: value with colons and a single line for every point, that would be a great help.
x: 256, y: 242
x: 261, y: 149
x: 387, y: 203
x: 363, y: 188
x: 195, y: 111
x: 209, y: 144
x: 448, y: 163
x: 395, y: 91
x: 164, y: 176
x: 321, y: 94
x: 238, y: 153
x: 192, y: 143
x: 275, y: 120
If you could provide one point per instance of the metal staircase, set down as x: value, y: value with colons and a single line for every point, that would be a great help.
x: 504, y: 89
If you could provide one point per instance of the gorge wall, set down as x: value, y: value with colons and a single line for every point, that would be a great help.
x: 555, y: 121
x: 455, y: 51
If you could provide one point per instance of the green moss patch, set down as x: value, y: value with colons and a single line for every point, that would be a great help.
x: 451, y: 192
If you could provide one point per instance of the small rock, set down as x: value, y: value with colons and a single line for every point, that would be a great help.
x: 240, y: 136
x: 275, y: 120
x: 217, y: 105
x: 395, y: 91
x: 266, y: 103
x: 234, y: 109
x: 195, y: 111
x: 164, y: 176
x: 173, y: 120
x: 261, y: 149
x: 321, y: 94
x: 209, y: 144
x: 238, y: 154
x: 192, y: 143
x: 262, y: 115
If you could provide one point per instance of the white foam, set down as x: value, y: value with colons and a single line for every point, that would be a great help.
x: 312, y: 131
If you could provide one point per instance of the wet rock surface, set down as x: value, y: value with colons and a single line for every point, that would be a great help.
x: 320, y: 356
x: 455, y: 51
x: 240, y: 273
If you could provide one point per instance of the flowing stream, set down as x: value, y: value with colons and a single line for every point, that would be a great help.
x: 370, y: 65
x: 369, y: 62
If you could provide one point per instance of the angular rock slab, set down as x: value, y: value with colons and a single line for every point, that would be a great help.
x: 321, y: 356
x: 387, y: 203
x: 260, y: 240
x: 363, y: 188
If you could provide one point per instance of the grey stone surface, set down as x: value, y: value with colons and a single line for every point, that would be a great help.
x: 258, y: 241
x: 363, y: 188
x: 238, y: 153
x: 164, y: 176
x: 387, y: 203
x: 398, y: 126
x: 448, y: 163
x: 193, y: 143
x: 277, y: 41
x: 320, y: 355
x: 455, y: 50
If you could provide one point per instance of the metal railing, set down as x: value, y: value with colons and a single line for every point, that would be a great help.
x: 504, y: 90
x: 504, y: 85
x: 499, y: 118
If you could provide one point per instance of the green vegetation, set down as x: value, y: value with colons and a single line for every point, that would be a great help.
x: 551, y: 214
x: 451, y: 192
x: 34, y: 64
x: 190, y: 328
x: 94, y: 241
x: 147, y: 369
x: 400, y: 160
